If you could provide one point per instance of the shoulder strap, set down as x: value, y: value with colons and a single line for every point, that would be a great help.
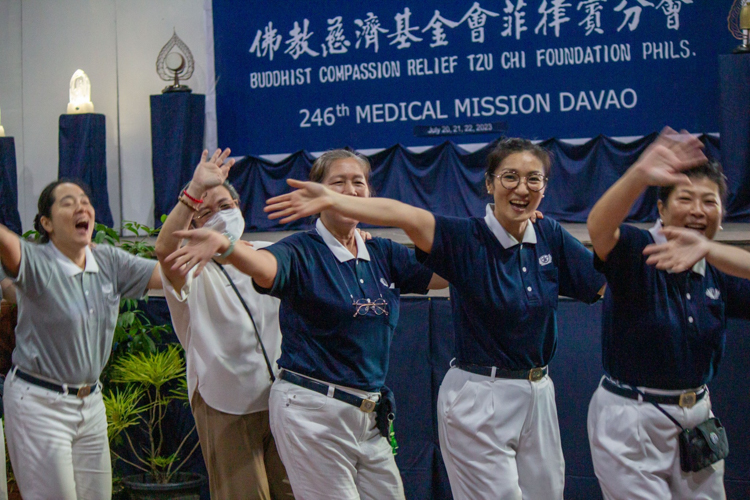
x: 658, y: 407
x: 255, y: 327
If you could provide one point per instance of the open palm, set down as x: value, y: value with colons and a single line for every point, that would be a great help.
x: 666, y: 158
x: 212, y: 172
x: 309, y: 198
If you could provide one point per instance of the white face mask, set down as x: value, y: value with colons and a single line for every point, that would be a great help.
x: 227, y: 221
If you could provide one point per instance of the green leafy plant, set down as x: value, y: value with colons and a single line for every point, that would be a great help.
x: 149, y: 382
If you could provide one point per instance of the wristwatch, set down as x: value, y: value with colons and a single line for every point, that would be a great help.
x: 232, y: 240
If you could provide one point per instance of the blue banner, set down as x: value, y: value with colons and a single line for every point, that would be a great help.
x: 317, y: 75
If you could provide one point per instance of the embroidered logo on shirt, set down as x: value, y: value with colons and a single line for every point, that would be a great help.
x: 545, y: 259
x: 712, y: 293
x: 107, y: 288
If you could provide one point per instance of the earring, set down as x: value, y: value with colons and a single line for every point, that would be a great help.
x: 721, y: 228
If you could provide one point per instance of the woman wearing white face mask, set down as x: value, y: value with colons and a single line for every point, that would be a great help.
x: 231, y: 337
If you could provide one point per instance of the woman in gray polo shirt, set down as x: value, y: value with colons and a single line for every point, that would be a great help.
x: 68, y: 300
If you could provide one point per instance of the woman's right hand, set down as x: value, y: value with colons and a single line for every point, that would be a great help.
x: 684, y: 247
x: 309, y: 198
x: 667, y: 157
x: 202, y: 245
x: 210, y: 172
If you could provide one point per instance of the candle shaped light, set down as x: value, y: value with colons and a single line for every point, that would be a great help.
x: 80, y: 94
x: 2, y: 130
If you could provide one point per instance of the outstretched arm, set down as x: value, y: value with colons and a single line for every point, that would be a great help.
x: 685, y: 247
x: 10, y: 251
x: 310, y: 198
x: 660, y: 165
x: 209, y: 173
x: 203, y: 245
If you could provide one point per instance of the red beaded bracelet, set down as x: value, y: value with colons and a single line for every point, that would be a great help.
x: 194, y: 200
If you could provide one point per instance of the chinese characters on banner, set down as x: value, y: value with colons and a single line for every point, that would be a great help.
x: 317, y: 75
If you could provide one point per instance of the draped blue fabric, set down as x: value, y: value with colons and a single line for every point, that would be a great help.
x: 734, y: 82
x: 177, y: 124
x: 420, y: 356
x: 449, y: 180
x: 9, y: 186
x: 83, y: 155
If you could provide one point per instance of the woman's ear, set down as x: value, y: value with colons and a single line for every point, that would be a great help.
x: 660, y: 207
x: 46, y: 223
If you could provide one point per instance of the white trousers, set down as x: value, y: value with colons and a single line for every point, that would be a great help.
x: 636, y: 452
x: 500, y: 438
x: 331, y: 449
x: 57, y: 443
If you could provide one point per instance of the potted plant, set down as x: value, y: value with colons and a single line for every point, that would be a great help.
x: 146, y: 384
x: 142, y: 381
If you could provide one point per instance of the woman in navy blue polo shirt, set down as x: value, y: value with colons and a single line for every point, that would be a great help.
x: 339, y: 307
x: 499, y: 433
x: 662, y: 332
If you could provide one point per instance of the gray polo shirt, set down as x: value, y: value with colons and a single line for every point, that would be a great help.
x: 67, y: 316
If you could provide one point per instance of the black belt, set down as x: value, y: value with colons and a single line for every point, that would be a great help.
x: 366, y: 405
x: 81, y: 391
x: 534, y: 375
x: 686, y: 399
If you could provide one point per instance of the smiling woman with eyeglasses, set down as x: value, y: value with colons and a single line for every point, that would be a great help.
x: 339, y: 307
x: 497, y: 417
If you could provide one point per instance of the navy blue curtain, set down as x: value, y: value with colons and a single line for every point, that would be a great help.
x: 177, y: 124
x: 448, y: 180
x: 734, y: 81
x: 83, y: 155
x: 9, y: 186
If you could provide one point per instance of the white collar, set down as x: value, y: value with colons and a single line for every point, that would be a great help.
x: 340, y: 251
x: 69, y: 267
x: 699, y: 267
x: 503, y: 236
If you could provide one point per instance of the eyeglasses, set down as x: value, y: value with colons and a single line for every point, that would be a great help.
x: 510, y: 180
x: 363, y: 306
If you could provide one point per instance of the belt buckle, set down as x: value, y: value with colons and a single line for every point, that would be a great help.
x: 536, y: 374
x: 367, y: 406
x: 83, y: 391
x: 688, y: 399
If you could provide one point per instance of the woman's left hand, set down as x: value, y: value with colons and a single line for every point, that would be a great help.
x: 202, y: 245
x: 309, y: 198
x: 683, y: 249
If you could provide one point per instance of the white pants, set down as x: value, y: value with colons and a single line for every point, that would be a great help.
x: 331, y: 449
x: 57, y: 443
x: 636, y: 453
x: 3, y: 476
x: 500, y: 438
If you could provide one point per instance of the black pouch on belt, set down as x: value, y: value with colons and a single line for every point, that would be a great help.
x: 703, y: 445
x: 386, y: 411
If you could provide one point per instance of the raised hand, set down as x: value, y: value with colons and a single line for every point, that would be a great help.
x: 211, y: 172
x: 666, y: 158
x: 202, y: 245
x: 684, y: 247
x: 308, y: 198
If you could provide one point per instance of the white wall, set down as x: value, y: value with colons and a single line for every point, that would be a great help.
x: 42, y: 42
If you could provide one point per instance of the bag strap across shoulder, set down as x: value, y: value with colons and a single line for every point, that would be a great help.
x: 255, y: 327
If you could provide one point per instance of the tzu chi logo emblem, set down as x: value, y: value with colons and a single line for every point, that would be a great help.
x: 712, y: 293
x: 545, y: 259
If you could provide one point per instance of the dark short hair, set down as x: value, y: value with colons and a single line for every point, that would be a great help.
x: 323, y: 164
x: 513, y: 145
x: 710, y: 170
x: 47, y: 199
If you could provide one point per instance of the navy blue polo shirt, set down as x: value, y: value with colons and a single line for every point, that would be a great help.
x: 664, y: 330
x: 321, y: 336
x: 504, y: 293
